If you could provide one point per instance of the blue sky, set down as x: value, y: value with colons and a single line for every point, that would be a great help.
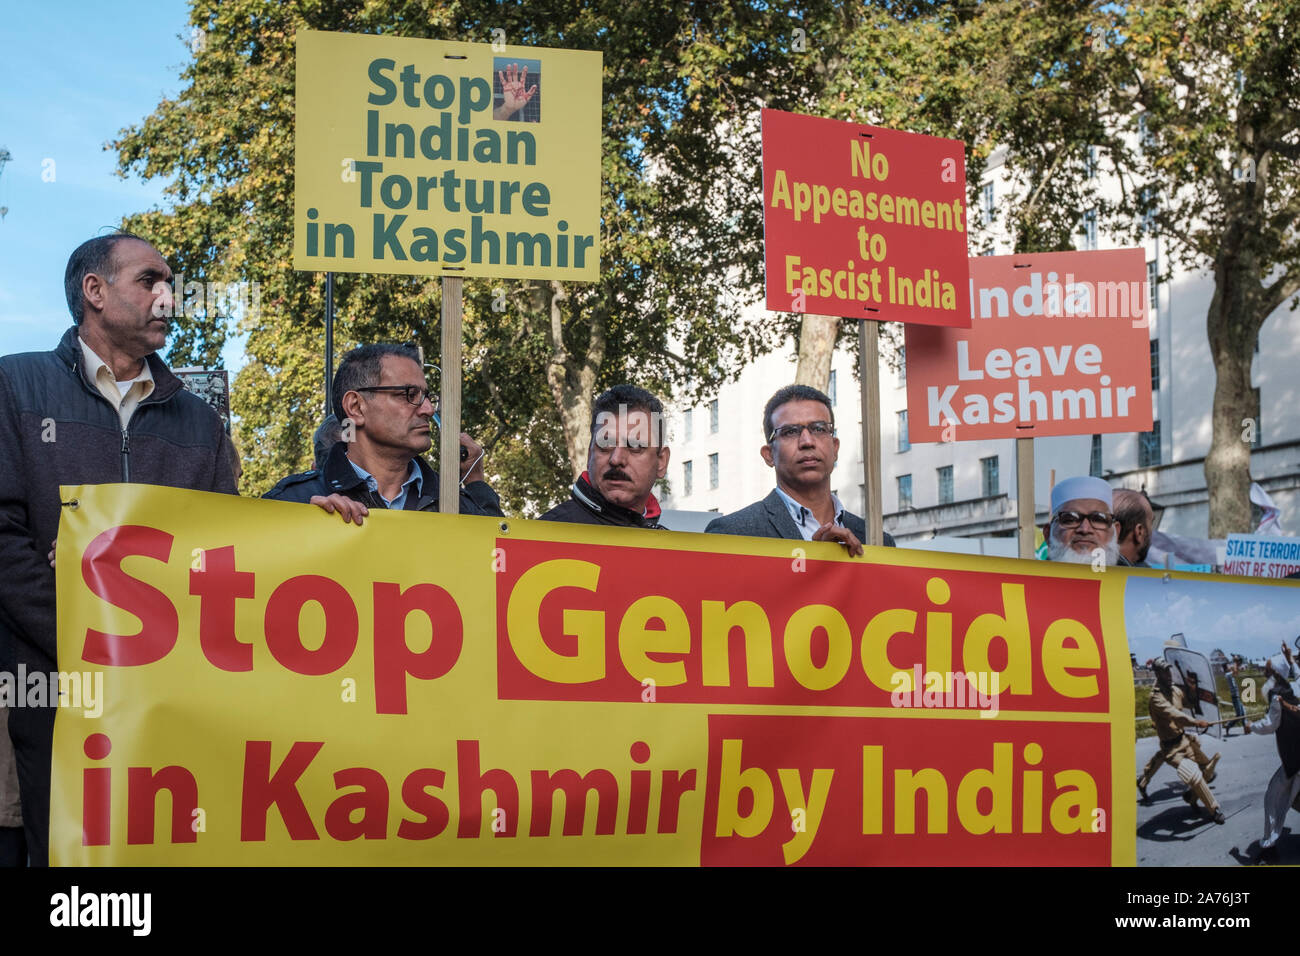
x: 1247, y: 619
x: 73, y: 74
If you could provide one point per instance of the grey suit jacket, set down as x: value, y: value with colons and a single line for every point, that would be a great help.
x: 770, y: 518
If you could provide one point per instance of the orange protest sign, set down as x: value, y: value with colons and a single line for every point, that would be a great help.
x: 1058, y: 345
x: 862, y: 221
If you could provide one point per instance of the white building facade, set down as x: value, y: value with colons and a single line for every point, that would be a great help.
x: 968, y: 489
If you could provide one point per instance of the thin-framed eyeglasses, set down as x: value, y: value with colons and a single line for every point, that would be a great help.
x: 816, y: 429
x: 414, y: 394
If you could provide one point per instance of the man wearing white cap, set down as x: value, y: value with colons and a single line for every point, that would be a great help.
x: 1283, y: 719
x: 1082, y: 522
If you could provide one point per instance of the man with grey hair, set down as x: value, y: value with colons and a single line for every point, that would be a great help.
x: 381, y: 392
x: 1082, y: 524
x: 101, y: 407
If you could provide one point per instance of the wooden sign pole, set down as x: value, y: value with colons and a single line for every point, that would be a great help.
x: 869, y: 353
x: 1025, y: 495
x: 449, y: 386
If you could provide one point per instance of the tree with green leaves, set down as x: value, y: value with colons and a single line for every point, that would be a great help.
x: 1193, y: 109
x: 680, y: 235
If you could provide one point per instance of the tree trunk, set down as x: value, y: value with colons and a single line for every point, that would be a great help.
x: 816, y: 346
x: 1231, y: 325
x: 571, y: 381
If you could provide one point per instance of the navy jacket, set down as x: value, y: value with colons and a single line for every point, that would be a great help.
x: 338, y: 477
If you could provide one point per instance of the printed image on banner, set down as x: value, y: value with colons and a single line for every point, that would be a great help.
x: 233, y: 701
x: 425, y: 157
x: 1218, y: 725
x: 863, y: 222
x: 1059, y: 344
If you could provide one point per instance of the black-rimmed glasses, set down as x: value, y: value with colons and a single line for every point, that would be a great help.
x: 1072, y: 519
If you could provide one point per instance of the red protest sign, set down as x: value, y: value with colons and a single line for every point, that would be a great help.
x: 864, y: 222
x: 1058, y: 345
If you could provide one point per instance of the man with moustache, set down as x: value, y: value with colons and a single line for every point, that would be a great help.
x: 626, y: 457
x: 1082, y: 522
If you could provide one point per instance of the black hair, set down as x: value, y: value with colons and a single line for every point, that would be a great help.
x: 326, y: 437
x: 1131, y: 515
x: 363, y: 366
x: 92, y: 256
x: 793, y: 393
x: 624, y: 398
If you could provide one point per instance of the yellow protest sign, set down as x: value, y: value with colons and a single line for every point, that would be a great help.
x: 425, y: 157
x: 281, y: 688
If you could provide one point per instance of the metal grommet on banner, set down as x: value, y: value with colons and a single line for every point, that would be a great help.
x: 505, y: 527
x: 73, y: 504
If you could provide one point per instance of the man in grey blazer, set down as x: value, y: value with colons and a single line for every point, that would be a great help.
x: 799, y: 427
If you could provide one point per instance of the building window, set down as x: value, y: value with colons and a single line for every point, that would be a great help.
x: 689, y: 419
x: 1149, y: 203
x: 1094, y: 459
x: 945, y: 485
x: 1145, y: 136
x: 1090, y: 163
x: 1155, y: 365
x: 1090, y: 229
x: 989, y: 475
x: 986, y: 201
x: 713, y: 470
x: 1149, y: 447
x: 830, y: 387
x: 902, y: 365
x: 903, y: 443
x: 1153, y: 284
x: 713, y: 416
x: 686, y: 479
x: 904, y: 492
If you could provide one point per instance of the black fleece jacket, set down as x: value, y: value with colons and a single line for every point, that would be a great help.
x: 55, y: 429
x: 339, y: 477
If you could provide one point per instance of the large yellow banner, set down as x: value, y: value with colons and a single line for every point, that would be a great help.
x: 425, y: 157
x: 281, y: 688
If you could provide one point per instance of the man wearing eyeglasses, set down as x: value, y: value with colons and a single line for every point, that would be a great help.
x: 380, y: 391
x: 801, y: 446
x: 1082, y: 522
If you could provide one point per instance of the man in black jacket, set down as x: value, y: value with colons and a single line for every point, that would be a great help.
x: 799, y: 428
x: 101, y: 407
x: 382, y: 402
x: 626, y: 457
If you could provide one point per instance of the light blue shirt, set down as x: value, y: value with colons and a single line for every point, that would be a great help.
x: 399, y: 502
x: 804, y: 518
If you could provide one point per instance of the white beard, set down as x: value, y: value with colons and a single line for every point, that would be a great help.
x: 1059, y: 551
